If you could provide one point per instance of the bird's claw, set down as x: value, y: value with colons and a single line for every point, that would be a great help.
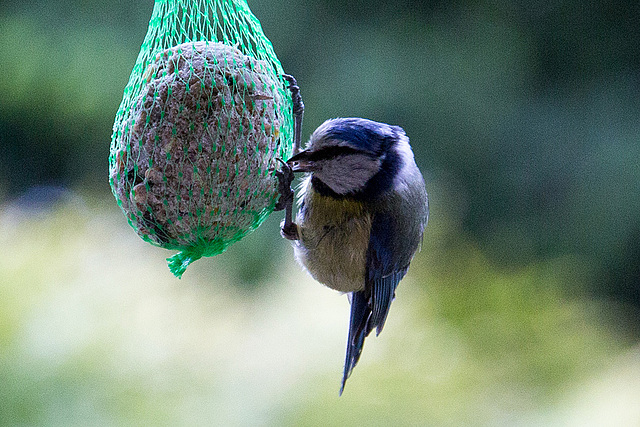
x: 289, y: 231
x: 285, y: 178
x: 298, y: 111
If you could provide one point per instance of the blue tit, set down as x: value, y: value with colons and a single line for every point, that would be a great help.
x: 362, y: 211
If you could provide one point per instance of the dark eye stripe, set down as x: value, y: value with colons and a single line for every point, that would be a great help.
x: 332, y: 152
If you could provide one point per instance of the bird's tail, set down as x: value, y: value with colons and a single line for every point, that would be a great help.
x: 358, y: 330
x: 369, y: 310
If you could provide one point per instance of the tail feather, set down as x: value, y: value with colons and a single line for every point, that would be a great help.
x: 369, y: 310
x: 359, y: 328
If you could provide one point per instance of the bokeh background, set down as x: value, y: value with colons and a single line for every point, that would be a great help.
x: 521, y: 309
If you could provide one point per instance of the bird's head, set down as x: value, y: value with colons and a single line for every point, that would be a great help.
x: 353, y: 157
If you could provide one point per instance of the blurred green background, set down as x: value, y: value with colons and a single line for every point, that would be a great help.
x: 521, y: 309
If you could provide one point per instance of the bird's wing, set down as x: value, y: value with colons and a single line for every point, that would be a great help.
x: 388, y: 256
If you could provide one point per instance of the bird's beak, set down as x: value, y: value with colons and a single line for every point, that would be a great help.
x: 301, y: 162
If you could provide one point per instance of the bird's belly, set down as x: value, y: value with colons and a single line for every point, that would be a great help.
x: 334, y: 250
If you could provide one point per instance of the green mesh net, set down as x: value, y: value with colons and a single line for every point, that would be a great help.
x: 203, y: 118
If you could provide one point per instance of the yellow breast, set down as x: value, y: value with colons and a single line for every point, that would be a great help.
x: 334, y: 236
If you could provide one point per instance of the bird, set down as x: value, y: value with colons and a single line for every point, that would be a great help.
x: 362, y: 211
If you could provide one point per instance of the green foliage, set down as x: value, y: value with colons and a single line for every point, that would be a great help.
x: 466, y: 343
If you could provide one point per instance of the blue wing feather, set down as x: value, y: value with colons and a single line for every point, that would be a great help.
x: 388, y: 258
x: 383, y: 294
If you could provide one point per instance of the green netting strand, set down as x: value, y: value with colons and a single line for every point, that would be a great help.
x: 203, y: 118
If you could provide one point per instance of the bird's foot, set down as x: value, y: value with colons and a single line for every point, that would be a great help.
x: 289, y: 231
x: 285, y: 178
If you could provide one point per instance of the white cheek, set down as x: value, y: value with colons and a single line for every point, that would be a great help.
x: 349, y: 173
